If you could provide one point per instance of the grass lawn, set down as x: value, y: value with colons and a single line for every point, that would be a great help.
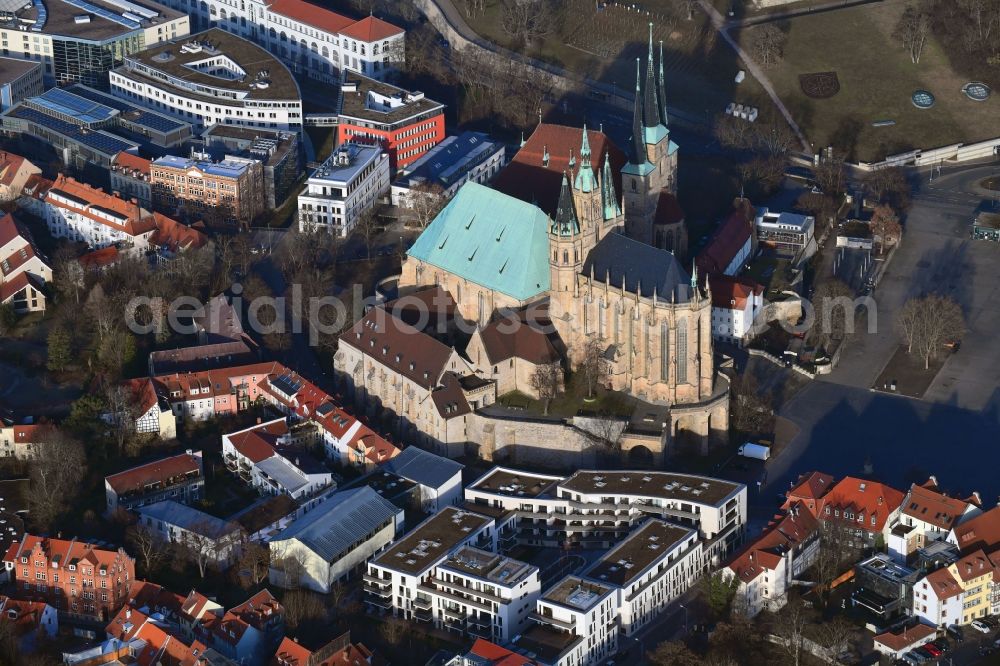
x: 603, y: 45
x: 876, y: 81
x: 572, y: 401
x: 907, y: 372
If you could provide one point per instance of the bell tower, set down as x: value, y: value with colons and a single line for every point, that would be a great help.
x: 566, y: 244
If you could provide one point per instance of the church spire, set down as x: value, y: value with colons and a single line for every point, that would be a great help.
x: 638, y: 140
x: 565, y: 223
x: 694, y: 276
x: 651, y: 107
x: 608, y: 198
x: 662, y: 91
x: 585, y: 181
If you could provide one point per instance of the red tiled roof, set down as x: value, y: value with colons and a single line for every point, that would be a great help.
x: 766, y: 552
x: 20, y: 257
x: 130, y: 161
x: 907, y: 637
x: 529, y: 179
x: 668, y: 209
x: 983, y: 531
x: 135, y: 224
x: 973, y: 565
x: 63, y: 548
x: 37, y: 186
x: 290, y: 653
x: 26, y: 615
x: 100, y: 258
x: 11, y: 229
x: 927, y: 504
x: 13, y: 286
x: 258, y: 609
x: 943, y: 584
x: 728, y: 239
x: 174, y: 235
x: 526, y: 341
x: 731, y: 293
x: 399, y: 346
x: 496, y: 655
x: 312, y: 15
x: 864, y: 499
x: 157, y: 471
x: 258, y: 443
x: 371, y: 29
x: 9, y: 164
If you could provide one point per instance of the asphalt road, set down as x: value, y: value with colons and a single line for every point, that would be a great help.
x: 955, y: 430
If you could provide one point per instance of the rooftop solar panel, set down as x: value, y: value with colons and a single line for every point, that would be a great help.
x: 104, y: 13
x: 132, y: 113
x: 107, y: 144
x: 67, y: 103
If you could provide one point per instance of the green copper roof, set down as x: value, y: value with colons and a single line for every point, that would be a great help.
x: 491, y: 239
x: 585, y: 181
x: 566, y: 223
x: 654, y: 135
x: 637, y: 169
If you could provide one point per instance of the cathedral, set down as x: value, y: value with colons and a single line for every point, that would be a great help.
x: 593, y: 237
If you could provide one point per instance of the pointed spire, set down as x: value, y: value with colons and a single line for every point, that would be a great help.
x: 572, y: 158
x: 585, y: 181
x: 638, y: 140
x: 545, y: 156
x: 566, y: 223
x: 611, y: 209
x: 651, y: 108
x: 694, y: 275
x: 662, y: 90
x: 522, y: 139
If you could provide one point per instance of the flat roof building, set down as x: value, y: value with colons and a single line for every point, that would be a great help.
x: 347, y: 184
x: 469, y: 156
x: 405, y: 124
x: 210, y: 78
x: 278, y: 151
x: 81, y: 40
x: 19, y: 79
x: 788, y: 232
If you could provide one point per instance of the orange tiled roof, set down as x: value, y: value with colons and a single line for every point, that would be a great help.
x: 905, y: 638
x: 130, y: 161
x: 371, y: 29
x: 290, y: 653
x: 731, y: 293
x: 929, y: 505
x: 983, y: 531
x: 973, y: 565
x: 136, y: 223
x: 943, y: 584
x: 766, y: 552
x: 310, y: 14
x: 157, y: 471
x: 9, y: 164
x: 174, y: 235
x: 864, y: 499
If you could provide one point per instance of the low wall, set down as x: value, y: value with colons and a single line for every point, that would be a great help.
x: 760, y: 353
x: 956, y: 152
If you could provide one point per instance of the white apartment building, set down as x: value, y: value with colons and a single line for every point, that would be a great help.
x: 218, y: 541
x: 348, y: 183
x: 211, y: 78
x: 269, y: 458
x: 475, y: 592
x: 79, y: 212
x: 468, y: 157
x: 576, y: 624
x: 656, y: 564
x: 788, y: 232
x: 333, y: 539
x: 736, y: 303
x: 438, y: 480
x: 308, y: 38
x: 927, y: 515
x: 399, y: 581
x: 596, y: 509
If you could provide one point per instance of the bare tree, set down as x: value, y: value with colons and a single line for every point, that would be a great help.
x: 123, y: 410
x: 253, y: 565
x: 912, y: 30
x: 791, y: 629
x: 546, y: 381
x: 751, y: 409
x: 393, y: 630
x: 57, y: 470
x: 526, y: 20
x: 301, y: 607
x: 147, y: 546
x: 689, y: 8
x: 907, y: 322
x: 204, y: 546
x: 886, y: 228
x: 426, y: 201
x: 938, y: 321
x: 768, y: 44
x: 592, y: 365
x: 367, y: 227
x: 830, y: 175
x: 835, y: 635
x: 733, y: 132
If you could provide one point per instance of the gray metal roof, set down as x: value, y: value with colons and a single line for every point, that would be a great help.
x: 188, y: 518
x: 642, y: 266
x: 427, y: 469
x: 333, y: 526
x: 285, y: 474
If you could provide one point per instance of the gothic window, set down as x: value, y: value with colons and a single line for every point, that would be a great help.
x: 635, y: 184
x: 682, y: 351
x: 600, y: 319
x: 565, y: 256
x: 482, y: 309
x: 618, y: 324
x: 665, y: 352
x: 646, y: 350
x: 586, y: 318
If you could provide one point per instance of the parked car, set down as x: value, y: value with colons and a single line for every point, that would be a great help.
x: 980, y: 626
x: 956, y: 632
x: 913, y: 658
x: 942, y: 644
x: 934, y: 650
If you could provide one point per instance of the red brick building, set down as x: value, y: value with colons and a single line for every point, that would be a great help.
x: 406, y: 124
x: 76, y: 578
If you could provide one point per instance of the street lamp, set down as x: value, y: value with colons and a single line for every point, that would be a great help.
x: 685, y: 617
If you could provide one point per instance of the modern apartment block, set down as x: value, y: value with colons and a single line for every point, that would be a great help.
x: 180, y: 478
x: 310, y: 39
x: 787, y: 232
x: 596, y: 509
x: 405, y: 124
x: 81, y: 41
x: 19, y: 79
x: 223, y: 193
x: 576, y: 624
x: 76, y: 578
x: 348, y: 183
x: 651, y: 568
x: 399, y: 581
x: 212, y: 78
x: 479, y: 593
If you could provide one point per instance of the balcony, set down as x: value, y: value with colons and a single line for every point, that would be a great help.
x: 454, y: 613
x: 379, y: 602
x: 377, y: 591
x: 375, y: 580
x: 555, y: 622
x: 422, y: 603
x: 423, y: 615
